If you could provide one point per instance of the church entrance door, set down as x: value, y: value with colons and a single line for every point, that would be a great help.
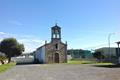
x: 56, y: 58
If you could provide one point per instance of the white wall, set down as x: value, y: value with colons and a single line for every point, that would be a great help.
x: 105, y: 51
x: 23, y: 59
x: 40, y: 54
x: 69, y: 57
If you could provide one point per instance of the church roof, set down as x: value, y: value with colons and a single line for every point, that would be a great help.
x: 48, y: 44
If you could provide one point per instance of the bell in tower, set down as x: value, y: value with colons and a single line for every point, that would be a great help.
x: 56, y: 33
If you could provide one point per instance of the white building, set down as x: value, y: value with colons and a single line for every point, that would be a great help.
x: 40, y: 54
x: 109, y: 53
x: 23, y: 59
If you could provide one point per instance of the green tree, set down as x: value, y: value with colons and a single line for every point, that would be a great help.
x: 11, y: 48
x: 98, y: 55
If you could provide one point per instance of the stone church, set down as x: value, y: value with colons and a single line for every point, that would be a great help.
x: 53, y: 52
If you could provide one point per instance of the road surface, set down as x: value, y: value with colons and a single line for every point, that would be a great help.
x: 60, y: 72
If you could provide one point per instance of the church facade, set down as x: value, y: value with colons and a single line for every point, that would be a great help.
x: 53, y: 52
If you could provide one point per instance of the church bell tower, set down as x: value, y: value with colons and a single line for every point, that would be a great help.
x: 55, y: 33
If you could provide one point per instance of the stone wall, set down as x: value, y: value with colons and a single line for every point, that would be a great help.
x: 50, y: 53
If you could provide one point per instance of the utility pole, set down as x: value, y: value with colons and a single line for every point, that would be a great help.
x: 109, y: 50
x: 118, y: 54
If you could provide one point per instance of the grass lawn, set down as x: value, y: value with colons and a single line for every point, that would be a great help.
x: 104, y: 63
x: 95, y: 64
x: 80, y: 62
x: 6, y: 66
x: 88, y: 62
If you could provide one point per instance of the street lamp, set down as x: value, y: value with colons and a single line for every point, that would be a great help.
x: 109, y: 36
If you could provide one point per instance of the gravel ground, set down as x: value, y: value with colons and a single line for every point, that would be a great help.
x: 60, y: 72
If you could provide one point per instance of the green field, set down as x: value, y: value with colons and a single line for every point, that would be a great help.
x: 6, y: 66
x: 88, y: 62
x: 80, y: 62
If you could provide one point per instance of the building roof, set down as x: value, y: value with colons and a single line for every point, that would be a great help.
x: 48, y: 44
x: 107, y: 48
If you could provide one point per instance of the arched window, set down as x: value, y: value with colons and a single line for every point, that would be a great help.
x: 56, y: 46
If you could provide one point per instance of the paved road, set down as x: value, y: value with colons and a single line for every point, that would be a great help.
x: 60, y: 72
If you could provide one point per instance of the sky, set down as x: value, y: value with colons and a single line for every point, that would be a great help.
x: 86, y: 24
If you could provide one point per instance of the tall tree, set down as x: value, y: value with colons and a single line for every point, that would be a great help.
x: 11, y: 48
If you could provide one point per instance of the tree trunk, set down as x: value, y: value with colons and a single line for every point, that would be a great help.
x: 2, y: 61
x: 9, y: 59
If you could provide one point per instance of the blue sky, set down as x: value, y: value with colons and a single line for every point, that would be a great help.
x: 85, y: 24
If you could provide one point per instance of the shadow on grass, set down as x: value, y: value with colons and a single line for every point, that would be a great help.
x: 27, y: 63
x: 108, y: 66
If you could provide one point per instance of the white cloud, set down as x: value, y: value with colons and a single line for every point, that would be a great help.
x: 30, y: 42
x: 2, y: 33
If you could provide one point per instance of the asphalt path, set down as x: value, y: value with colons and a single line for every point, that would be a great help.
x: 60, y: 72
